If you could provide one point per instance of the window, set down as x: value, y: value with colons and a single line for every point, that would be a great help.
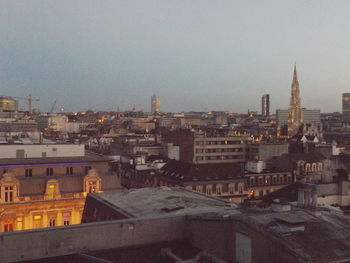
x: 19, y: 225
x: 267, y: 180
x: 261, y: 181
x: 28, y: 172
x: 49, y: 171
x: 8, y: 224
x: 66, y: 218
x: 52, y: 221
x: 218, y: 189
x: 252, y: 179
x: 261, y: 193
x: 208, y: 190
x: 240, y: 189
x: 9, y: 193
x: 281, y: 179
x: 231, y: 189
x: 69, y: 170
x: 274, y: 180
x: 92, y: 187
x: 51, y: 191
x: 87, y: 168
x: 37, y: 221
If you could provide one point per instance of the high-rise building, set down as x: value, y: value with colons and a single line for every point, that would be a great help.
x: 265, y: 105
x: 155, y: 104
x: 295, y: 117
x: 346, y: 106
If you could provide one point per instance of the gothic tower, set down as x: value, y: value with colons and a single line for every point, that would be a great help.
x: 295, y: 117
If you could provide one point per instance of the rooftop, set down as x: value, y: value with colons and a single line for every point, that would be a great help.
x: 148, y: 202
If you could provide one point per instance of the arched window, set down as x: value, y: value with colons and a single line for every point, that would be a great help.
x: 307, y: 167
x: 313, y: 167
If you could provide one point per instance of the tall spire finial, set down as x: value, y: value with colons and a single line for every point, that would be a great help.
x: 295, y: 76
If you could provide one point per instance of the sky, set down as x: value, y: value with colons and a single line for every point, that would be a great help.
x: 196, y: 55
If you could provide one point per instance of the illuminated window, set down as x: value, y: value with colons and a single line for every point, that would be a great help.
x: 66, y: 218
x: 49, y: 171
x: 19, y: 224
x: 8, y: 224
x: 9, y: 193
x: 37, y: 221
x: 51, y: 191
x: 92, y: 186
x: 28, y: 172
x: 267, y: 180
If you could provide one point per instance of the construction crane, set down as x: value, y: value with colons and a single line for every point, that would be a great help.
x: 30, y: 99
x: 53, y: 107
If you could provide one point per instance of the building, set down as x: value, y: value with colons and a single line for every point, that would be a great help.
x: 224, y: 180
x: 8, y: 104
x: 210, y: 146
x: 295, y: 117
x: 346, y: 106
x: 264, y: 151
x: 309, y: 116
x: 44, y: 185
x: 155, y: 104
x: 154, y: 225
x: 265, y: 105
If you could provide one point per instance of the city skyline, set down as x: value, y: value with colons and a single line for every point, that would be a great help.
x: 110, y: 54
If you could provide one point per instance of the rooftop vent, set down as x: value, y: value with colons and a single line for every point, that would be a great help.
x: 172, y: 208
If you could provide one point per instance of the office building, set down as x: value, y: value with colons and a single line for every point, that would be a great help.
x: 265, y: 105
x: 155, y: 104
x: 204, y: 147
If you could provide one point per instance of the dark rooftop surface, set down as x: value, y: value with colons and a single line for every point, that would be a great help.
x: 324, y: 238
x: 182, y: 171
x: 89, y: 157
x: 145, y: 254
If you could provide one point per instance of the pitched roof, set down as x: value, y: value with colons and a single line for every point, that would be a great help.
x: 287, y: 162
x: 182, y: 171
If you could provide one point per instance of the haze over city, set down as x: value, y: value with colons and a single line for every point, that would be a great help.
x: 195, y: 55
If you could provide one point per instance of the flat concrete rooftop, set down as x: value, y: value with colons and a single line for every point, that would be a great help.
x: 149, y: 202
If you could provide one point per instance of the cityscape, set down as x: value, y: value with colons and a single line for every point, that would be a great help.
x: 142, y: 183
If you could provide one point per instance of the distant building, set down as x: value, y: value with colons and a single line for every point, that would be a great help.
x: 203, y: 147
x: 309, y: 116
x: 265, y: 105
x: 155, y: 104
x: 346, y: 106
x: 8, y: 104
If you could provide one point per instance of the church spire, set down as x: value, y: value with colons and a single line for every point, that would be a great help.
x: 295, y: 75
x: 295, y: 117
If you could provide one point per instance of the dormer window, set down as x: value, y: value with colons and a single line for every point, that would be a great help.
x: 9, y: 188
x: 9, y: 194
x: 92, y: 182
x: 52, y: 189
